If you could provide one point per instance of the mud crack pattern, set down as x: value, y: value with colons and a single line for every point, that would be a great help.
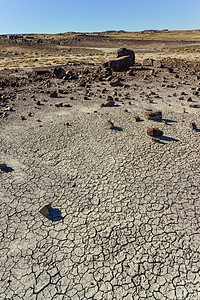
x: 130, y: 208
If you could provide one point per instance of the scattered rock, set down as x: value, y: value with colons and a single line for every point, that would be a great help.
x: 67, y: 124
x: 130, y: 72
x: 60, y: 104
x: 153, y: 115
x: 193, y: 105
x: 3, y: 166
x: 42, y: 72
x: 45, y: 210
x: 136, y: 119
x: 108, y: 125
x: 155, y: 140
x: 82, y: 83
x: 53, y: 94
x: 154, y: 131
x: 59, y: 72
x: 188, y: 99
x: 157, y: 64
x: 108, y: 103
x: 148, y: 62
x: 193, y: 126
x: 114, y: 82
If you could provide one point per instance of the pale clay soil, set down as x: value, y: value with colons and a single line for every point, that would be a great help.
x: 125, y: 223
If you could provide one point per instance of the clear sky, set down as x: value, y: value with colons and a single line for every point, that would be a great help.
x: 42, y: 16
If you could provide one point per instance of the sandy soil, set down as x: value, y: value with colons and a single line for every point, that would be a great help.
x: 125, y: 218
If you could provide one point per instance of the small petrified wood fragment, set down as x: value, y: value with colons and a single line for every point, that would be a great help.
x: 154, y: 131
x: 153, y: 115
x: 45, y: 210
x: 136, y: 119
x: 108, y: 125
x: 3, y: 166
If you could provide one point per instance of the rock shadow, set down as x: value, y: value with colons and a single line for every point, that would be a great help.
x: 117, y: 128
x: 169, y: 139
x: 168, y: 121
x: 55, y: 215
x: 7, y: 170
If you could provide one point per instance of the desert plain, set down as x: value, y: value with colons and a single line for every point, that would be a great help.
x: 124, y: 222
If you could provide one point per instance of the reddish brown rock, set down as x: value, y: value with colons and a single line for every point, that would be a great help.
x: 154, y: 131
x: 45, y: 210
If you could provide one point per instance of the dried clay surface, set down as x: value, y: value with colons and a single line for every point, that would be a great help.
x: 124, y: 222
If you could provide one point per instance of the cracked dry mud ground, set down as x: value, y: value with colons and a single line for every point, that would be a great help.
x: 130, y: 208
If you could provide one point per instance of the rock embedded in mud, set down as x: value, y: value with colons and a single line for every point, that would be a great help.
x: 59, y: 72
x: 153, y: 115
x: 154, y: 131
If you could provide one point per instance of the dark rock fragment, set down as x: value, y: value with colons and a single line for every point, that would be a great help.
x: 59, y: 72
x: 193, y: 126
x: 154, y: 131
x: 3, y: 166
x: 45, y: 210
x: 53, y: 94
x: 153, y: 115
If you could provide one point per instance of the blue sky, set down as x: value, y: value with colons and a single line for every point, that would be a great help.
x: 42, y: 16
